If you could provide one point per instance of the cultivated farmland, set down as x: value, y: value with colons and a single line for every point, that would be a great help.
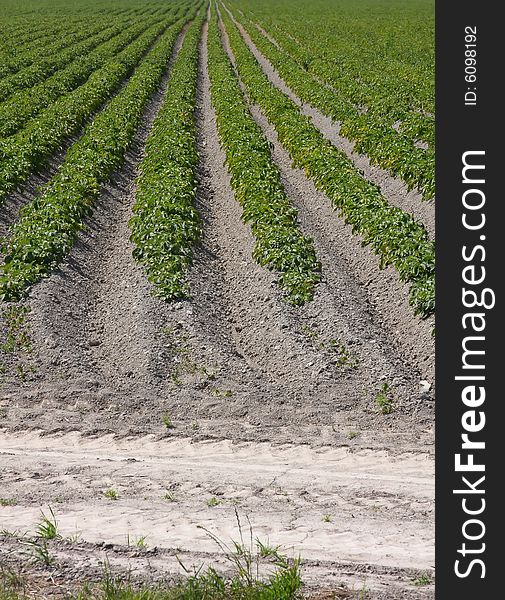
x: 217, y: 290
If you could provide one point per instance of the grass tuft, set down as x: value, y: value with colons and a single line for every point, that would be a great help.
x: 48, y: 527
x: 111, y: 494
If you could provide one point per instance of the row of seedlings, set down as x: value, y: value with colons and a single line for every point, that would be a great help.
x: 166, y: 224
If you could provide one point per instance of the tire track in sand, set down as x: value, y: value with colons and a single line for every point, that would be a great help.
x: 381, y: 507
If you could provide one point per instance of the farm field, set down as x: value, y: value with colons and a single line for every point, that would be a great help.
x: 217, y: 291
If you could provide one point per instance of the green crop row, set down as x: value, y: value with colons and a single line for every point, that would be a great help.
x: 29, y: 150
x: 44, y: 40
x: 25, y: 104
x: 38, y: 44
x: 255, y: 179
x: 47, y: 227
x: 373, y: 135
x: 76, y: 46
x: 419, y: 127
x: 393, y: 234
x: 166, y: 224
x: 386, y: 104
x: 387, y: 46
x: 60, y: 54
x: 393, y: 151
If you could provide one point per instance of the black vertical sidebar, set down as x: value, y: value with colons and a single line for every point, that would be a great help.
x: 469, y: 119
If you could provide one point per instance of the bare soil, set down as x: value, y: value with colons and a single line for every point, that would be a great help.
x: 232, y: 399
x: 359, y: 519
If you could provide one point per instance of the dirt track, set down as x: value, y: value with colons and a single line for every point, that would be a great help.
x: 266, y: 406
x: 378, y: 534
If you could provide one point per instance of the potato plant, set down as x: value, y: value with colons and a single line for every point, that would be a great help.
x: 36, y: 43
x: 47, y: 227
x: 255, y: 179
x: 377, y: 54
x: 395, y: 236
x: 27, y: 103
x: 84, y: 40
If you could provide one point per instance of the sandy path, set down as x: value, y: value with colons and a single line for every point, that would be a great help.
x: 380, y: 507
x: 392, y: 188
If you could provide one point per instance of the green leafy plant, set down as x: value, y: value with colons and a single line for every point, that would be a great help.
x: 384, y: 399
x: 8, y: 502
x: 256, y: 182
x: 166, y: 225
x: 17, y: 338
x: 38, y: 550
x: 167, y: 421
x: 111, y: 494
x: 29, y: 149
x: 36, y: 87
x: 326, y: 69
x: 423, y: 578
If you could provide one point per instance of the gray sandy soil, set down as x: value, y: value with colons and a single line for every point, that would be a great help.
x: 392, y: 188
x: 232, y: 394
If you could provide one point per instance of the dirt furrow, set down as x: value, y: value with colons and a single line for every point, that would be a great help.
x: 265, y: 33
x: 104, y: 325
x: 392, y: 188
x: 260, y: 326
x: 353, y: 302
